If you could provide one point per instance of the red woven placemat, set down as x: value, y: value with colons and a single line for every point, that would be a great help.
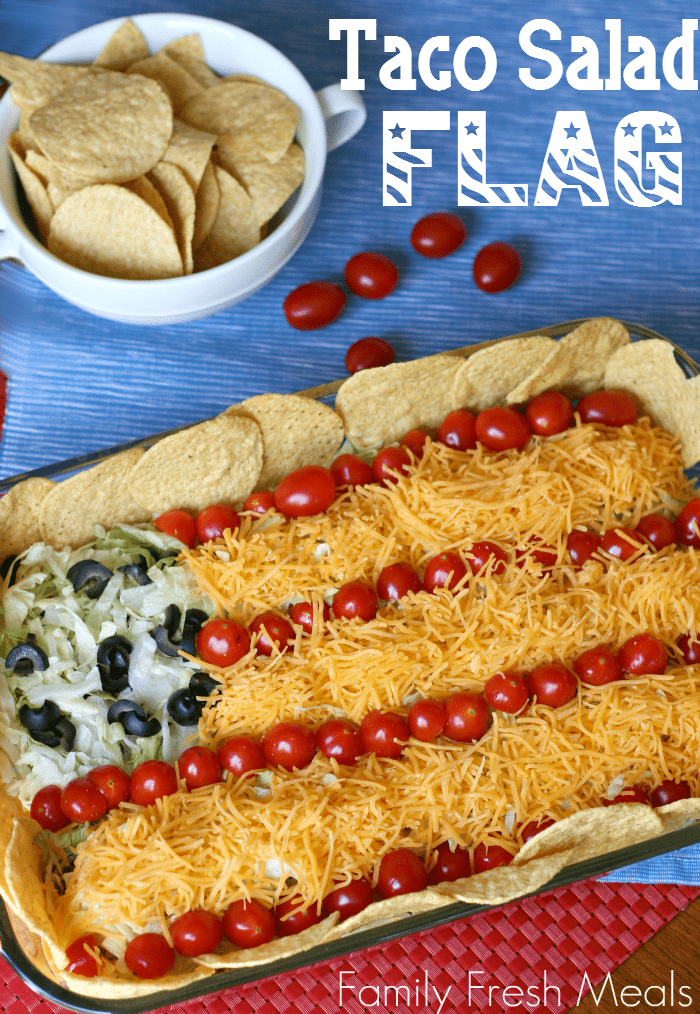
x: 552, y: 940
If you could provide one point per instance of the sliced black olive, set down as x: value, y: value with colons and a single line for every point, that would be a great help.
x: 194, y: 618
x: 184, y: 707
x: 89, y: 576
x: 133, y: 718
x: 27, y: 657
x: 66, y: 730
x: 39, y: 719
x: 113, y: 662
x: 166, y: 631
x: 9, y: 566
x: 137, y: 571
x: 203, y: 684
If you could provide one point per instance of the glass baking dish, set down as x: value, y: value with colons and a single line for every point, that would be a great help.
x: 17, y: 954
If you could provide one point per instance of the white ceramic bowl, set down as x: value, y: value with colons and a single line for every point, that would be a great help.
x: 327, y: 119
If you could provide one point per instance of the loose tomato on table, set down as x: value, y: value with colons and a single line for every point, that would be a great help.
x: 388, y: 462
x: 657, y: 530
x: 371, y: 275
x: 582, y: 545
x: 46, y: 809
x: 241, y: 754
x: 307, y: 491
x: 502, y: 429
x: 401, y: 872
x: 507, y: 691
x: 490, y: 857
x: 598, y: 666
x: 291, y: 917
x: 368, y: 353
x: 152, y: 780
x: 81, y: 957
x: 415, y: 441
x: 496, y: 267
x: 303, y: 614
x: 81, y: 801
x: 113, y: 783
x: 350, y: 470
x: 149, y: 956
x: 248, y: 923
x: 196, y: 932
x: 384, y: 733
x: 670, y: 791
x: 275, y: 633
x: 396, y: 581
x: 426, y: 719
x: 552, y: 684
x: 621, y: 543
x: 549, y: 413
x: 687, y: 524
x: 438, y: 235
x: 313, y: 305
x: 199, y: 766
x: 289, y: 745
x: 213, y: 521
x: 450, y: 865
x: 355, y: 599
x: 457, y: 430
x: 607, y: 408
x: 467, y: 717
x: 348, y: 900
x: 222, y: 642
x: 339, y: 739
x: 180, y: 525
x: 481, y: 553
x: 643, y: 655
x: 445, y: 570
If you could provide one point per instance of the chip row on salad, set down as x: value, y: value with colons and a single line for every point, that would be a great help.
x: 396, y: 588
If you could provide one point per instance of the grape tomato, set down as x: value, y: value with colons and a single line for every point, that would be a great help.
x: 289, y: 745
x: 276, y: 634
x: 303, y: 614
x: 426, y: 719
x: 371, y: 275
x: 222, y: 642
x: 241, y: 754
x: 549, y: 413
x: 607, y: 408
x: 149, y: 956
x: 467, y: 717
x: 340, y: 739
x: 457, y: 430
x: 396, y: 580
x: 552, y: 684
x: 180, y: 525
x: 306, y: 491
x: 291, y: 917
x: 350, y: 470
x: 401, y: 872
x: 496, y: 267
x: 46, y: 809
x: 199, y: 766
x: 355, y: 599
x: 196, y: 932
x: 248, y: 923
x: 450, y: 865
x: 384, y: 733
x: 501, y: 429
x: 348, y: 900
x: 213, y: 521
x: 507, y: 692
x: 388, y: 462
x: 313, y: 305
x: 368, y: 353
x: 438, y: 234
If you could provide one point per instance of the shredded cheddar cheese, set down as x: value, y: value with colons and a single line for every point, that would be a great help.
x: 327, y: 823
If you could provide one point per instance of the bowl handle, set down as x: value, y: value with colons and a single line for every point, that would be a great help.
x: 344, y: 111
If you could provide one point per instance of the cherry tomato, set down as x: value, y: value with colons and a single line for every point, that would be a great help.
x: 306, y: 491
x: 467, y: 717
x: 631, y: 794
x: 196, y: 932
x: 669, y: 791
x: 396, y: 581
x: 546, y: 556
x: 81, y: 801
x: 350, y: 470
x: 384, y: 733
x: 212, y: 522
x: 149, y: 956
x: 426, y: 719
x: 289, y: 745
x: 222, y: 642
x: 622, y: 543
x: 46, y: 809
x: 658, y: 530
x: 348, y: 900
x: 598, y: 666
x: 368, y: 353
x: 450, y: 865
x: 303, y: 614
x: 240, y: 754
x: 688, y: 524
x: 178, y: 524
x: 582, y: 545
x: 607, y: 408
x: 248, y: 923
x: 534, y: 828
x: 496, y: 267
x: 457, y: 430
x: 552, y: 684
x: 482, y: 552
x: 355, y: 599
x: 260, y: 503
x: 445, y: 570
x: 501, y: 429
x: 340, y: 739
x: 80, y: 960
x: 643, y: 655
x: 313, y: 305
x: 689, y: 648
x: 299, y: 919
x: 438, y: 234
x: 401, y: 872
x: 199, y: 766
x: 507, y: 691
x: 489, y: 857
x: 389, y: 461
x: 549, y: 413
x: 371, y: 275
x: 276, y: 633
x: 152, y: 780
x: 415, y: 441
x: 113, y: 783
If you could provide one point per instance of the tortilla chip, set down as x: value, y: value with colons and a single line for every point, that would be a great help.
x: 113, y: 988
x: 25, y: 882
x: 380, y: 405
x: 505, y: 883
x: 34, y: 189
x: 179, y: 199
x: 98, y: 496
x: 10, y: 810
x: 576, y: 366
x: 207, y: 201
x: 649, y: 372
x: 595, y: 832
x: 276, y: 950
x: 259, y: 120
x: 269, y: 185
x: 189, y: 149
x: 177, y: 83
x: 676, y: 815
x: 144, y: 189
x: 38, y: 163
x: 108, y: 230
x: 189, y: 53
x: 35, y: 82
x: 217, y: 461
x: 25, y: 135
x: 487, y: 376
x: 235, y: 229
x: 20, y: 517
x: 108, y: 127
x: 296, y: 431
x: 125, y: 46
